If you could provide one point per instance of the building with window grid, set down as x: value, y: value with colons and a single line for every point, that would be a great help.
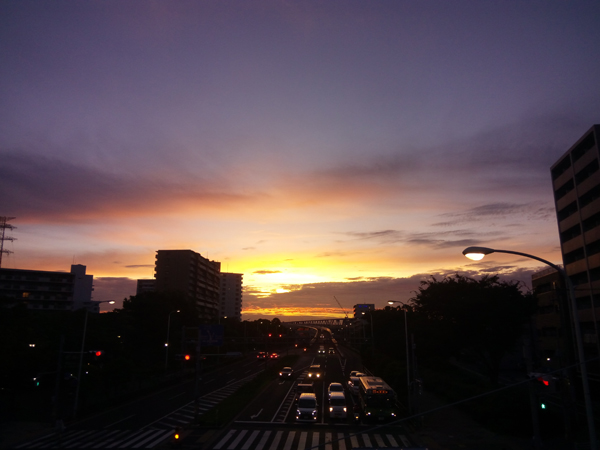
x: 576, y: 187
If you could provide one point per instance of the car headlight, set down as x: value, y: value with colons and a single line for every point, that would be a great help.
x: 314, y: 413
x: 344, y: 409
x: 368, y: 414
x: 393, y: 414
x: 330, y: 409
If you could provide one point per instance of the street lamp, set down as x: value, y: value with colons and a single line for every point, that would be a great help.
x: 81, y: 356
x: 477, y: 253
x: 391, y: 302
x: 167, y: 343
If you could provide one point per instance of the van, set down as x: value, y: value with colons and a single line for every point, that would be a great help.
x: 337, y: 405
x: 307, y: 408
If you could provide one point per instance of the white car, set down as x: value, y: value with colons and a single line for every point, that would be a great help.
x: 335, y: 387
x: 337, y: 405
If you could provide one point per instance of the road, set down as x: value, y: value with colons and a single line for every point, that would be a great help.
x: 148, y: 421
x: 268, y: 422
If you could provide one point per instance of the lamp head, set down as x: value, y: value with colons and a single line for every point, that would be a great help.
x: 477, y: 253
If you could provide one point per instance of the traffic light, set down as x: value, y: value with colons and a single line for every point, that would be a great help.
x: 187, y: 357
x: 547, y: 383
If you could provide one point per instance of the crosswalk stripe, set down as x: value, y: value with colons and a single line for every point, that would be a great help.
x: 263, y: 440
x: 161, y: 433
x: 328, y: 441
x: 290, y: 439
x: 302, y: 441
x: 237, y: 440
x: 250, y: 440
x: 341, y: 441
x: 379, y: 440
x: 354, y: 441
x: 315, y: 439
x: 392, y: 440
x: 366, y: 440
x: 103, y: 443
x: 225, y: 439
x: 275, y: 442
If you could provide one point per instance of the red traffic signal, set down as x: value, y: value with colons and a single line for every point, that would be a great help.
x: 98, y: 353
x: 187, y: 357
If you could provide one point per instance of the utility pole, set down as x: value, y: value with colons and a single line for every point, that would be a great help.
x: 4, y: 225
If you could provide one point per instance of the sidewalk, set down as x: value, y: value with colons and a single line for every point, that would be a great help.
x: 451, y: 429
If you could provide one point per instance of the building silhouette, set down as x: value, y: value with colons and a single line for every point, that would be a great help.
x: 576, y: 187
x: 231, y: 295
x: 49, y: 291
x: 190, y: 274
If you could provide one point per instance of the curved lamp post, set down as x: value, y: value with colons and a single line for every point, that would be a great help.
x: 391, y: 302
x: 81, y: 357
x: 477, y: 253
x: 167, y: 343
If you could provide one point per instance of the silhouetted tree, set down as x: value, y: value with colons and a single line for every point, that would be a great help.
x: 483, y: 318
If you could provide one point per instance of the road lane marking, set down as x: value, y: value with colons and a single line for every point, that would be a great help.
x: 263, y: 440
x: 257, y: 414
x: 250, y: 440
x: 237, y: 440
x: 341, y: 441
x: 379, y: 440
x: 315, y: 440
x: 275, y: 443
x: 225, y: 439
x: 367, y: 440
x: 302, y: 441
x: 175, y: 396
x: 328, y: 441
x: 290, y: 440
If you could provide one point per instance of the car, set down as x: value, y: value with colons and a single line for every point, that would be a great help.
x: 261, y: 355
x: 286, y: 372
x: 331, y: 351
x: 335, y: 387
x: 356, y: 373
x: 307, y: 408
x: 337, y: 405
x: 354, y: 382
x: 314, y: 372
x: 321, y: 350
x: 274, y: 355
x: 304, y: 388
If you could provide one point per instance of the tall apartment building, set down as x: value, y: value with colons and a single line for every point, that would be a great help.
x: 231, y: 295
x: 576, y: 186
x: 191, y: 274
x: 49, y: 291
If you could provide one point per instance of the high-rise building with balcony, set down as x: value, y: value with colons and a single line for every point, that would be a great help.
x: 43, y: 290
x: 576, y: 187
x: 192, y: 275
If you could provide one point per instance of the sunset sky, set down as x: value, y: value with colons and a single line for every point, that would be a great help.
x: 321, y: 148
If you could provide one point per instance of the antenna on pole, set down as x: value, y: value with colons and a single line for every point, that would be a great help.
x: 4, y: 225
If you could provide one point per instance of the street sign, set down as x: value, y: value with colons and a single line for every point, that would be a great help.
x: 211, y: 335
